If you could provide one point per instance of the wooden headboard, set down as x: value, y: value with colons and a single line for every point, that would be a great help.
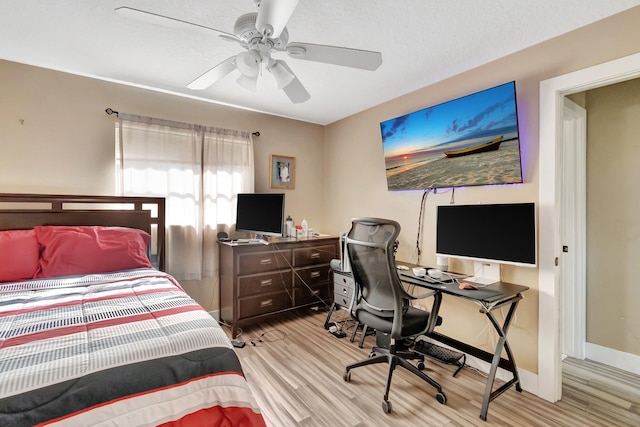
x: 25, y: 211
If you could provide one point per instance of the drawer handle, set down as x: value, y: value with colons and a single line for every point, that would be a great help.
x: 315, y: 274
x: 266, y: 261
x: 266, y: 282
x: 315, y: 292
x: 266, y: 303
x: 315, y: 255
x: 345, y: 290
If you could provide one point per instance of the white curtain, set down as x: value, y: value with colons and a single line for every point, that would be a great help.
x: 199, y: 170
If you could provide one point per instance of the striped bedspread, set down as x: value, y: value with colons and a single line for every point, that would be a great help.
x: 123, y: 349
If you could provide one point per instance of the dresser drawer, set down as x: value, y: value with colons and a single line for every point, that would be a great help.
x: 259, y: 281
x: 311, y: 276
x: 263, y: 304
x: 260, y: 262
x: 303, y: 296
x: 345, y: 291
x: 342, y: 294
x: 342, y: 299
x: 264, y: 283
x: 343, y: 284
x: 343, y: 288
x: 314, y: 255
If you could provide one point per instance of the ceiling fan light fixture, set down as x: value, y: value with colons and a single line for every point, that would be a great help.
x: 249, y: 63
x: 281, y: 75
x: 249, y: 83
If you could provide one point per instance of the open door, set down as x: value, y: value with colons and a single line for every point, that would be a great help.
x: 573, y: 229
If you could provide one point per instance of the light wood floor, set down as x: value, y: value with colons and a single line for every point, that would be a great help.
x: 611, y: 393
x: 295, y: 371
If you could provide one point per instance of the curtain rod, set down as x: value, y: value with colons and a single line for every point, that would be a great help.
x: 111, y: 111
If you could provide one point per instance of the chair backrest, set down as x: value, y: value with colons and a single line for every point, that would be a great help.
x: 370, y: 246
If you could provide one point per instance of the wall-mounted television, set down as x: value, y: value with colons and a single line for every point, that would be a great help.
x: 489, y: 234
x: 473, y: 140
x: 260, y: 213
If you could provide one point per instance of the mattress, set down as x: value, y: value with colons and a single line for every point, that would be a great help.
x: 128, y: 348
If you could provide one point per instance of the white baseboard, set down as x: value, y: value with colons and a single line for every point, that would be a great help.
x: 616, y: 358
x: 215, y: 314
x: 528, y: 380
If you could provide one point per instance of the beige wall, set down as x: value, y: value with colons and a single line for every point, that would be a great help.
x: 613, y: 220
x: 56, y: 138
x: 355, y: 172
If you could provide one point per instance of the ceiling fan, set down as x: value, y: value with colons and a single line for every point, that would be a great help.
x: 262, y: 34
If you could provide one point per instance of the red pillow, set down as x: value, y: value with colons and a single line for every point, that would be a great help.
x: 19, y: 251
x: 70, y: 250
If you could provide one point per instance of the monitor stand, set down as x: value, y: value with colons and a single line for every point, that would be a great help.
x: 485, y: 273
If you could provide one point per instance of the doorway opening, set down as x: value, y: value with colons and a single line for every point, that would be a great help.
x: 552, y: 94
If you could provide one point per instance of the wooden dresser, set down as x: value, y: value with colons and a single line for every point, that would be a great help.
x: 257, y: 281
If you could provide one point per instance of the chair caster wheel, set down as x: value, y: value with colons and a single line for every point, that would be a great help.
x: 386, y: 406
x: 441, y: 398
x: 420, y: 365
x: 346, y: 376
x: 372, y: 354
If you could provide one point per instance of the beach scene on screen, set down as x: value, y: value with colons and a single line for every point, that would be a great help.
x: 469, y: 141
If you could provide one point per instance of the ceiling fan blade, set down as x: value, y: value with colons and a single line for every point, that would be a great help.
x: 273, y: 16
x: 214, y: 74
x: 294, y: 90
x: 347, y: 57
x: 233, y: 38
x: 162, y: 20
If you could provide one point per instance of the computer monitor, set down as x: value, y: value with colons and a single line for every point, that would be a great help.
x: 489, y: 235
x: 260, y: 213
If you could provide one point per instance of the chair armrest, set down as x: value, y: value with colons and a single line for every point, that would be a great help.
x: 427, y: 294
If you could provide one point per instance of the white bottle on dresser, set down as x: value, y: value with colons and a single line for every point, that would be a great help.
x: 289, y: 226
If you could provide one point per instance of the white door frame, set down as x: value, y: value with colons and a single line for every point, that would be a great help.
x: 573, y: 230
x: 552, y: 93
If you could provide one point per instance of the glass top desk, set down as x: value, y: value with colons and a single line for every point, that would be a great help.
x: 489, y: 298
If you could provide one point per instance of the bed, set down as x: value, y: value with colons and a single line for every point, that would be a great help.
x: 93, y: 332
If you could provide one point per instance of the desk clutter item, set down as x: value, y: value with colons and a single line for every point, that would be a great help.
x: 445, y: 355
x: 435, y: 273
x: 289, y: 226
x: 419, y: 271
x: 467, y: 285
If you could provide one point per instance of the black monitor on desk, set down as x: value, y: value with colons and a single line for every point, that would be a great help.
x: 489, y: 235
x: 260, y: 213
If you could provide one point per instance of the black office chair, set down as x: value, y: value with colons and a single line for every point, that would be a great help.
x: 382, y: 303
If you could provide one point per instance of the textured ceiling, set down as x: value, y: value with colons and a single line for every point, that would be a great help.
x: 421, y: 41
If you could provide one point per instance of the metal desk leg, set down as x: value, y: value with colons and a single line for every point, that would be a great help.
x: 489, y: 395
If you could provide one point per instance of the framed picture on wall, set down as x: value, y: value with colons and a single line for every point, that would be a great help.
x: 283, y: 171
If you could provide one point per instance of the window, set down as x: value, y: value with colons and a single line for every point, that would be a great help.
x: 199, y: 170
